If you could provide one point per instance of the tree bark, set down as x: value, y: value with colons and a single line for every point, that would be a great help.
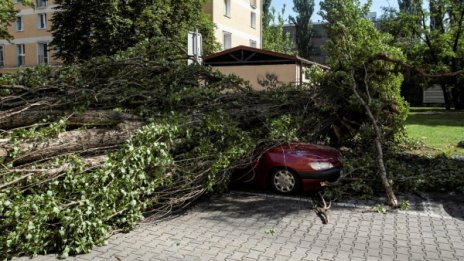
x: 78, y: 141
x: 446, y: 96
x: 392, y: 200
x: 89, y: 118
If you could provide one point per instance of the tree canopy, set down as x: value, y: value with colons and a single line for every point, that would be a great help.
x: 7, y: 16
x: 358, y: 82
x: 266, y: 12
x: 89, y: 28
x: 274, y: 36
x: 302, y: 22
x: 431, y: 36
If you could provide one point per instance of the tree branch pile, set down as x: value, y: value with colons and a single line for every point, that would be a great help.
x: 87, y: 150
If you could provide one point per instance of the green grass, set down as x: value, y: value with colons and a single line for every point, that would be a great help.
x: 439, y: 130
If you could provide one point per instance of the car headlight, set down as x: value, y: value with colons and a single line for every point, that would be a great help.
x: 321, y: 165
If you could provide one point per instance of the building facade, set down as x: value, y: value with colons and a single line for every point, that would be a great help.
x: 238, y: 22
x: 30, y: 30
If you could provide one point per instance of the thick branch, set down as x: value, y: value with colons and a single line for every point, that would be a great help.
x: 384, y: 57
x: 75, y: 141
x: 89, y: 118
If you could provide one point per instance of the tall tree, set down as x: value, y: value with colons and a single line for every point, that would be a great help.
x: 274, y: 36
x: 87, y: 28
x: 410, y: 6
x: 434, y: 41
x: 403, y: 25
x: 303, y: 26
x: 442, y: 48
x: 266, y: 13
x: 360, y: 84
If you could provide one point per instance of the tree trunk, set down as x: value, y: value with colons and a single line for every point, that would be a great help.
x: 78, y: 141
x: 446, y: 96
x: 89, y: 118
x: 392, y: 200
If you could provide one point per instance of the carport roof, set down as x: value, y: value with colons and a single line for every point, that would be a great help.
x: 245, y: 55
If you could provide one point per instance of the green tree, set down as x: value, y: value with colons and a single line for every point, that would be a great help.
x: 7, y: 16
x: 358, y: 82
x: 443, y: 48
x: 303, y: 26
x: 88, y: 28
x: 403, y: 25
x: 274, y: 36
x: 431, y: 36
x: 410, y: 6
x: 266, y: 13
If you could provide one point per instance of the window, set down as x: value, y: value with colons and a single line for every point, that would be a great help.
x: 253, y: 43
x: 41, y: 3
x: 42, y: 21
x: 19, y: 23
x: 227, y: 40
x: 20, y: 53
x: 227, y: 8
x: 1, y: 56
x: 42, y: 53
x: 253, y: 20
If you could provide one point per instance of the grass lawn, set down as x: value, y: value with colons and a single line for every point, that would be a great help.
x: 439, y: 130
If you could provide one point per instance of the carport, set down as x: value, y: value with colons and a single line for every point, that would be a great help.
x: 261, y: 67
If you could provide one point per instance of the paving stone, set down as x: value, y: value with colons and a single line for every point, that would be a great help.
x: 236, y: 227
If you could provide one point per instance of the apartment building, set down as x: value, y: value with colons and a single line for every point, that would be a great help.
x: 30, y: 30
x: 238, y: 22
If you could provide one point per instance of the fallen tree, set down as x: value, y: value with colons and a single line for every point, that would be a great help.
x: 88, y: 150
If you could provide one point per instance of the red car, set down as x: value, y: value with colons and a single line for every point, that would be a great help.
x: 289, y: 168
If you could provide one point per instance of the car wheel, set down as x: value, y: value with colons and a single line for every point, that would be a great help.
x: 285, y: 181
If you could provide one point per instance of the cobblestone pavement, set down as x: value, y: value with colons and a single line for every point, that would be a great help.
x: 248, y: 226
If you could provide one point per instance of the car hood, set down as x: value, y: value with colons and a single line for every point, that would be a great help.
x: 310, y: 151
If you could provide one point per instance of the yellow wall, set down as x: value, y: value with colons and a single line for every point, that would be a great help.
x: 239, y: 22
x: 286, y: 73
x: 30, y: 36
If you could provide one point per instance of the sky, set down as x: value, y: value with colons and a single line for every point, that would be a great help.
x: 376, y: 7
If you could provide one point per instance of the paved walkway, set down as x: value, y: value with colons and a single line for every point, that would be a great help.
x: 246, y: 226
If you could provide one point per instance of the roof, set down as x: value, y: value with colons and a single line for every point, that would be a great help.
x: 245, y: 55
